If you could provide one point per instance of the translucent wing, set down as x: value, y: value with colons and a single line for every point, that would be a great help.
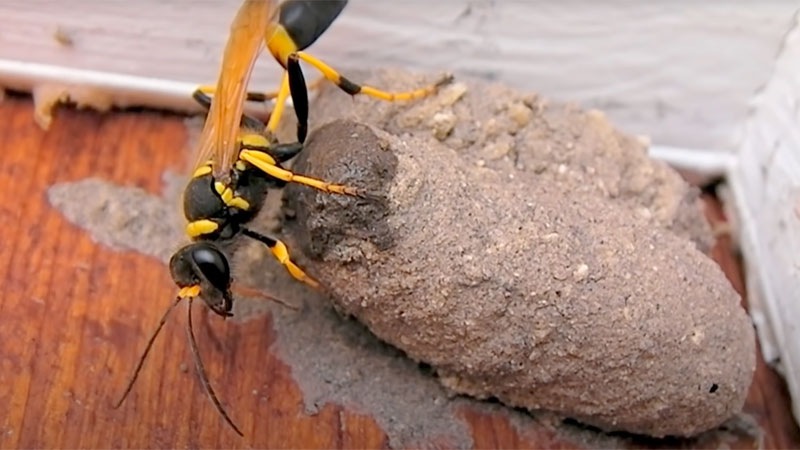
x: 252, y: 23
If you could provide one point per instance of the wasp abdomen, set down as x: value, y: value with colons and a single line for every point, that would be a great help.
x: 306, y: 20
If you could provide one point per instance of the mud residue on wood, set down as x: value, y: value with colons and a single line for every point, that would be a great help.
x: 332, y: 359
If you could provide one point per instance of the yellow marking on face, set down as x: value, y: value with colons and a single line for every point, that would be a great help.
x: 189, y: 291
x: 241, y: 166
x: 201, y: 171
x: 281, y: 45
x: 201, y: 227
x: 254, y: 140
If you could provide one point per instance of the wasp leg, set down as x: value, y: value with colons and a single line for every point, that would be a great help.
x: 204, y: 99
x: 285, y: 152
x: 266, y: 164
x: 293, y: 83
x: 281, y: 253
x: 297, y: 87
x: 280, y: 103
x: 259, y: 97
x: 353, y: 88
x: 278, y: 152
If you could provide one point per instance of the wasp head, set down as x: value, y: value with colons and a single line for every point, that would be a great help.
x: 203, y: 266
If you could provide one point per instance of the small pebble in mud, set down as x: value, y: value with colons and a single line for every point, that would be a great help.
x: 603, y: 340
x: 443, y: 124
x: 520, y: 114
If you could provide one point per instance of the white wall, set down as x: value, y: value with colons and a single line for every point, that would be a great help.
x: 766, y: 185
x: 681, y: 72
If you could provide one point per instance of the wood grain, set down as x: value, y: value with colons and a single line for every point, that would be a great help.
x: 75, y: 314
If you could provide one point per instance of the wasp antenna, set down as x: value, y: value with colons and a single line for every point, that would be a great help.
x: 247, y: 291
x: 146, y: 351
x: 201, y: 371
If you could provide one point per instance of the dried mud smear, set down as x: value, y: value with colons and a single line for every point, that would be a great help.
x: 334, y: 360
x: 578, y: 294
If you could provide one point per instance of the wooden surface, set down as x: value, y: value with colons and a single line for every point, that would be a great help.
x: 75, y: 313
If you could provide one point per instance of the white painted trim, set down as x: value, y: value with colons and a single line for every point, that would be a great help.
x: 765, y: 183
x: 127, y: 90
x: 681, y: 75
x: 131, y: 90
x: 702, y: 161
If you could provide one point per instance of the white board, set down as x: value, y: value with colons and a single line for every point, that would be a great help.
x: 680, y: 72
x: 766, y: 187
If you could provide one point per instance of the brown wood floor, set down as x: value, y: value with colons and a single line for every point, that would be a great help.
x: 74, y: 314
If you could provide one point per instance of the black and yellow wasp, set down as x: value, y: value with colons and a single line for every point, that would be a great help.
x: 239, y: 159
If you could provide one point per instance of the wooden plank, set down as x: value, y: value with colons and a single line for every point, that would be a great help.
x: 75, y: 311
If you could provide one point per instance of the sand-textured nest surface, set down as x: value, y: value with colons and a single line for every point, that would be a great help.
x: 526, y: 251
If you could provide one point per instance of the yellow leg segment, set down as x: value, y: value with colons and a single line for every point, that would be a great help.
x: 261, y: 96
x: 353, y: 88
x: 272, y: 170
x: 281, y: 253
x: 280, y: 104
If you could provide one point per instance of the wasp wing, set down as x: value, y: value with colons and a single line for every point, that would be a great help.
x: 252, y: 23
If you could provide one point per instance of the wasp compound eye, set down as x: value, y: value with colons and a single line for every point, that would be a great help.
x: 213, y: 265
